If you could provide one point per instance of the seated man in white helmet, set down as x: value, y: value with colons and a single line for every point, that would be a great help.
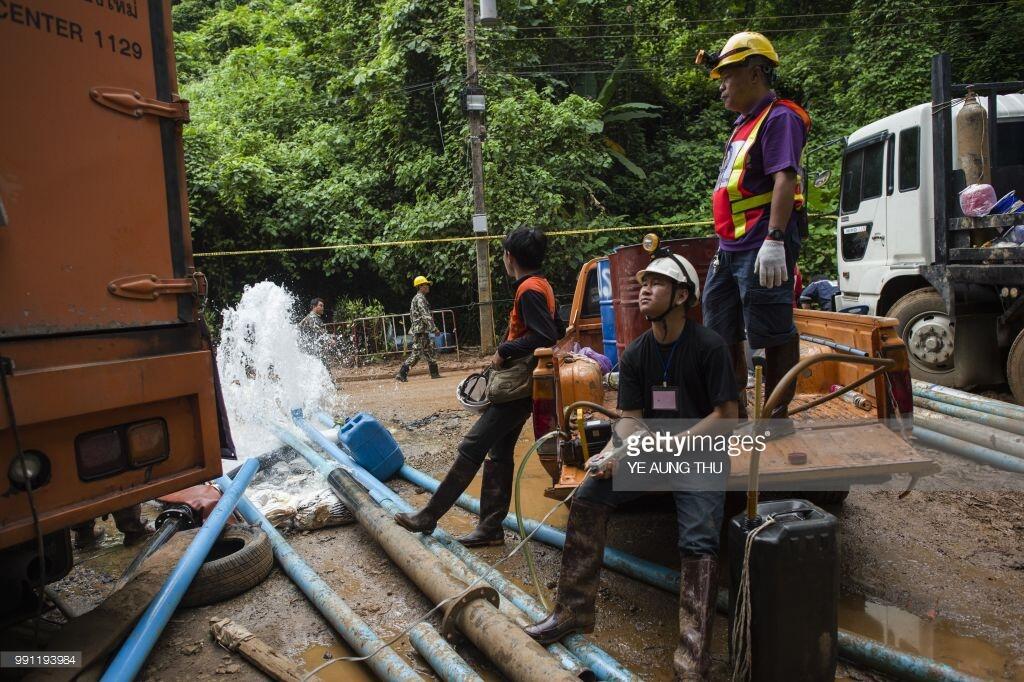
x: 679, y: 370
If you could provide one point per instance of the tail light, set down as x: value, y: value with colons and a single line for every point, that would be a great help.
x: 901, y: 392
x: 110, y: 451
x: 545, y: 399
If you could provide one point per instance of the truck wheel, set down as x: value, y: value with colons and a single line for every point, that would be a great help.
x: 240, y: 559
x: 928, y: 331
x: 1015, y: 368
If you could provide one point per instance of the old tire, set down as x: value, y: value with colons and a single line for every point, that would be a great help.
x: 923, y: 320
x: 240, y: 559
x: 1015, y: 368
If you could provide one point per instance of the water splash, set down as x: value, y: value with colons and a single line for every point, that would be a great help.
x: 264, y: 370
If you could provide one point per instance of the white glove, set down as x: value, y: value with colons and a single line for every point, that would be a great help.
x: 770, y: 265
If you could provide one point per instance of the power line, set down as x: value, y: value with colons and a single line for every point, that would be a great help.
x: 701, y: 33
x: 725, y: 19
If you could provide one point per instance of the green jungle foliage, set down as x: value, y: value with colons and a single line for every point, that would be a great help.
x: 318, y: 122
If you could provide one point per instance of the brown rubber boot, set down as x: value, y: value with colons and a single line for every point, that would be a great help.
x: 129, y: 522
x: 454, y: 484
x: 434, y: 372
x: 698, y: 589
x: 780, y: 359
x: 403, y: 373
x: 495, y: 496
x: 575, y: 604
x: 738, y: 353
x: 87, y: 535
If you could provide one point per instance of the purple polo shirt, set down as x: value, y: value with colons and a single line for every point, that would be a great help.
x: 778, y: 146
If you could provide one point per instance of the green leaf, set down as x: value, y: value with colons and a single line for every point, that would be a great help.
x: 629, y: 116
x: 630, y: 166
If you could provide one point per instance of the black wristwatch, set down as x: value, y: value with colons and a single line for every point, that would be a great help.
x: 776, y: 235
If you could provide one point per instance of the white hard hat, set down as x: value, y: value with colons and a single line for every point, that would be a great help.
x: 472, y: 392
x: 668, y: 266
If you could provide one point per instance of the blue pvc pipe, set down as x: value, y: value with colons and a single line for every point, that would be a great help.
x: 617, y: 560
x: 1012, y: 425
x: 364, y: 641
x: 850, y: 645
x: 445, y: 661
x: 973, y: 451
x: 593, y: 657
x: 951, y: 396
x: 872, y: 654
x: 133, y: 653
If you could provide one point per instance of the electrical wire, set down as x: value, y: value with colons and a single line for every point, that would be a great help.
x: 725, y: 19
x: 7, y: 367
x: 695, y: 34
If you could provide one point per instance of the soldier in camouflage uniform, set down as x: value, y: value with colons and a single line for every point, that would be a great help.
x: 422, y: 328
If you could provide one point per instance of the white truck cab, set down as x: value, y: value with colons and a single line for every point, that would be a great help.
x: 906, y: 251
x: 886, y: 226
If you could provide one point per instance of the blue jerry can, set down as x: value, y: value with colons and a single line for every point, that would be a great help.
x: 372, y: 446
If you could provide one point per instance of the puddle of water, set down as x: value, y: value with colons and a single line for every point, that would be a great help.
x: 341, y: 671
x: 934, y: 639
x: 535, y: 480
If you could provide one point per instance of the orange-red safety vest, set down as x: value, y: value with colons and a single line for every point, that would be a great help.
x: 516, y: 326
x: 736, y: 208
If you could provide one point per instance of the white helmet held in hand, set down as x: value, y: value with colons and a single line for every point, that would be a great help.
x: 472, y: 392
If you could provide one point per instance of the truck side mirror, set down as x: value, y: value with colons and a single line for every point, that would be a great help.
x: 822, y: 178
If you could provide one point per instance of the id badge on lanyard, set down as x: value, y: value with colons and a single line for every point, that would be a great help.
x: 666, y: 397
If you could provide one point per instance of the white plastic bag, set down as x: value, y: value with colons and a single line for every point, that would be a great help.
x: 321, y: 510
x: 277, y: 506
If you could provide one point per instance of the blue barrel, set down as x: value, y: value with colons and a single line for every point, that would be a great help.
x: 604, y: 287
x: 442, y: 339
x: 372, y: 446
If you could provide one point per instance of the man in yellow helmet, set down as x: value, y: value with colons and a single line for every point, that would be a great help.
x: 423, y: 328
x: 758, y: 207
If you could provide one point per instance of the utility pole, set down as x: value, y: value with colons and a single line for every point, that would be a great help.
x: 474, y: 105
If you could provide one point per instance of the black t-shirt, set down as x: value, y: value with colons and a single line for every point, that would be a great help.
x: 700, y: 367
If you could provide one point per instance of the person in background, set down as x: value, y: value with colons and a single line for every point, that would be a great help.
x: 128, y: 521
x: 313, y: 337
x: 423, y: 330
x: 533, y: 323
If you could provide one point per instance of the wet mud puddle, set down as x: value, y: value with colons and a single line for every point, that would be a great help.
x: 935, y: 639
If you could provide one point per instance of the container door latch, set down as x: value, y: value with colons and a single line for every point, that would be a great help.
x: 151, y: 287
x: 131, y: 103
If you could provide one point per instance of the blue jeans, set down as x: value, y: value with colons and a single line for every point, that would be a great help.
x: 698, y: 513
x: 734, y: 300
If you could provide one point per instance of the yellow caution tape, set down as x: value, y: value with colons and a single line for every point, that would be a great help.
x: 448, y: 240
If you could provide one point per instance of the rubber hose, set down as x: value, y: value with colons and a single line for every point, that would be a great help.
x: 519, y: 517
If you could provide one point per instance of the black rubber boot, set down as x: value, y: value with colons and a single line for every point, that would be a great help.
x: 780, y: 359
x: 698, y: 589
x: 575, y: 604
x: 129, y: 522
x: 434, y: 373
x: 403, y: 373
x: 87, y: 535
x: 454, y: 484
x: 495, y: 496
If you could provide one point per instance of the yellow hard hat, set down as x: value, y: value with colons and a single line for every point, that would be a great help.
x: 420, y: 281
x: 739, y: 48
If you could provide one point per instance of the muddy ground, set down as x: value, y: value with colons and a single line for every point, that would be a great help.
x: 939, y: 573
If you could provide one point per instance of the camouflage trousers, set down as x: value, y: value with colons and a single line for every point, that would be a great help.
x: 422, y: 347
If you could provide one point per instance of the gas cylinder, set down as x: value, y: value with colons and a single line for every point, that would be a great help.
x: 972, y: 141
